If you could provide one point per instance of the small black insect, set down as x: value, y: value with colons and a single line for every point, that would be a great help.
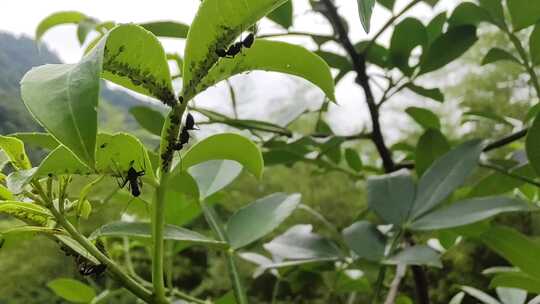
x: 248, y: 41
x: 85, y: 266
x: 234, y: 49
x: 190, y: 122
x: 221, y: 52
x: 184, y: 134
x: 132, y: 180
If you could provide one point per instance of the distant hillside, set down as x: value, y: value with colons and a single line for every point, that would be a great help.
x: 20, y: 54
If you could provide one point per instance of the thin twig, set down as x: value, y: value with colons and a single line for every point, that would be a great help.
x: 506, y: 140
x: 510, y: 174
x: 394, y: 286
x: 359, y: 65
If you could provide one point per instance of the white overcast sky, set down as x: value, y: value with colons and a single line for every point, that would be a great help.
x: 265, y: 90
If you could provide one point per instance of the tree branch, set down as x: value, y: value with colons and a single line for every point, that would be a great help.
x: 359, y: 65
x: 506, y: 140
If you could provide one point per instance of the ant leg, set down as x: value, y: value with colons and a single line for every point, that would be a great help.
x: 117, y: 174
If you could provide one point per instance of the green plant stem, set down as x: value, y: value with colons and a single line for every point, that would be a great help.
x: 218, y: 228
x: 170, y: 264
x: 275, y: 290
x: 239, y: 292
x: 189, y: 298
x: 128, y: 282
x: 158, y: 226
x: 526, y: 62
x: 169, y: 136
x: 382, y: 271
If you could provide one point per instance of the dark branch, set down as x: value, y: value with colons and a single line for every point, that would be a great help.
x: 506, y: 140
x: 359, y: 64
x: 362, y: 79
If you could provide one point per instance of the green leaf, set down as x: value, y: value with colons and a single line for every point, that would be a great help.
x: 416, y: 255
x: 169, y: 29
x: 445, y: 175
x: 495, y: 12
x: 365, y: 9
x: 499, y: 183
x: 434, y: 94
x: 479, y: 295
x: 408, y: 34
x: 262, y: 217
x: 63, y: 98
x: 431, y: 145
x: 534, y: 45
x: 532, y: 144
x: 181, y: 200
x: 353, y: 159
x: 208, y: 33
x: 424, y: 118
x: 283, y: 15
x: 29, y: 213
x: 144, y: 230
x: 226, y: 146
x: 61, y: 161
x: 516, y: 280
x: 511, y: 295
x: 84, y: 27
x: 5, y: 194
x: 365, y: 240
x: 37, y: 139
x: 16, y: 181
x: 497, y: 54
x: 389, y: 4
x: 468, y: 212
x: 228, y: 298
x: 150, y: 119
x: 467, y: 13
x: 489, y: 115
x: 135, y: 59
x: 391, y: 196
x: 4, y: 160
x: 275, y: 56
x: 514, y: 247
x: 16, y: 234
x: 336, y: 61
x: 448, y: 47
x: 299, y: 243
x: 214, y: 175
x: 244, y: 123
x: 14, y: 149
x: 71, y: 243
x: 68, y: 17
x: 376, y: 54
x: 116, y: 153
x: 523, y: 14
x: 72, y: 290
x: 435, y: 27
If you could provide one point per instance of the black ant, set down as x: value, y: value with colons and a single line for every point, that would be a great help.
x: 132, y: 180
x: 234, y: 49
x: 84, y: 265
x: 184, y: 134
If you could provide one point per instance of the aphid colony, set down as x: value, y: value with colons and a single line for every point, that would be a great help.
x: 236, y: 47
